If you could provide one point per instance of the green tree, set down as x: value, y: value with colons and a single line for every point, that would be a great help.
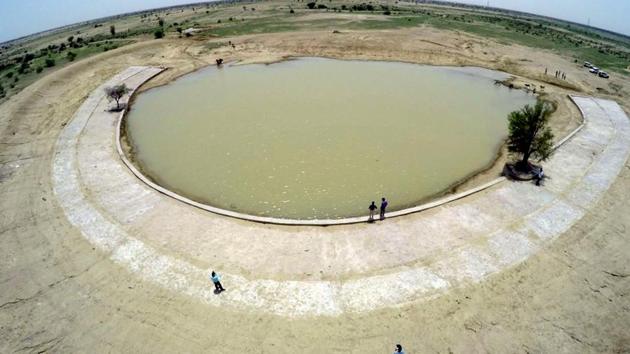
x: 158, y: 34
x: 529, y: 133
x: 161, y: 22
x: 71, y: 56
x: 112, y: 30
x: 50, y: 62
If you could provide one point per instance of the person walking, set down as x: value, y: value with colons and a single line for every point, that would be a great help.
x: 539, y: 176
x: 216, y: 279
x: 383, y: 207
x: 398, y: 349
x: 372, y: 208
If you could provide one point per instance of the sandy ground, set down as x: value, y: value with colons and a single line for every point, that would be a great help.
x: 60, y: 295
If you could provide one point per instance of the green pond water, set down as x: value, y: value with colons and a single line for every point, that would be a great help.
x: 318, y: 138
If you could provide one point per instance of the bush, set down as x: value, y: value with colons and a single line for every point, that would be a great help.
x: 322, y: 6
x: 158, y: 34
x: 311, y: 5
x: 71, y: 56
x: 39, y: 69
x: 387, y: 12
x: 291, y: 11
x: 50, y: 62
x: 9, y: 74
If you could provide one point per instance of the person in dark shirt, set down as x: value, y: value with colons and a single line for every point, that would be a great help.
x: 383, y: 207
x: 372, y: 208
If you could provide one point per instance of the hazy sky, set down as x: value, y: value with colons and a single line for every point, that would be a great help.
x: 22, y: 17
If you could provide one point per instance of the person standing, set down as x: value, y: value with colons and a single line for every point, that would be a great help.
x: 372, y: 208
x: 383, y: 207
x: 216, y: 279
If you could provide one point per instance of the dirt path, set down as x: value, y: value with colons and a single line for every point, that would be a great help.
x: 60, y: 295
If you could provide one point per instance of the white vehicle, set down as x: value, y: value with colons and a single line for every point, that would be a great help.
x: 594, y: 70
x: 588, y: 65
x: 603, y: 74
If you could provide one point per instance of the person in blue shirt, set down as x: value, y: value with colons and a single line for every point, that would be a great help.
x: 216, y: 279
x: 399, y: 349
x: 383, y: 207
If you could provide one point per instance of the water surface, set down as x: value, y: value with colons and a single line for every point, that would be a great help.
x: 319, y: 138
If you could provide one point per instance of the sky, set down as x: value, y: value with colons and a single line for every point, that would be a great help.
x: 22, y: 17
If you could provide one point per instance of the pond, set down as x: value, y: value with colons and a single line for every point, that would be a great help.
x: 317, y: 138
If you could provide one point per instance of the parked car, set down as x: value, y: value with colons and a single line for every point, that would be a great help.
x: 603, y: 74
x: 588, y: 65
x: 594, y: 70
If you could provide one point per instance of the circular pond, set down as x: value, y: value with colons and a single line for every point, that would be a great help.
x: 319, y: 138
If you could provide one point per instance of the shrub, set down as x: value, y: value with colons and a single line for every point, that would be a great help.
x: 112, y: 30
x: 387, y: 12
x: 158, y: 34
x: 322, y: 6
x: 39, y: 69
x: 9, y: 75
x: 71, y: 56
x: 50, y: 62
x: 161, y: 22
x: 291, y: 11
x: 311, y: 5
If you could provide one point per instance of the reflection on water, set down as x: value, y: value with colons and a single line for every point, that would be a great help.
x: 320, y: 138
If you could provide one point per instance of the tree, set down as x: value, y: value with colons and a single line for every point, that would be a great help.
x: 161, y: 22
x: 529, y: 134
x: 70, y: 39
x: 116, y: 93
x: 71, y: 56
x: 158, y: 34
x: 112, y: 30
x: 311, y: 5
x: 50, y: 62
